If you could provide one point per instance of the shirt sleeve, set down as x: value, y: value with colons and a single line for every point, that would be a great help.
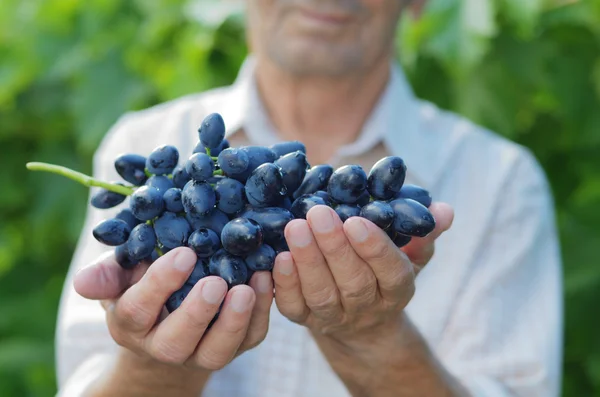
x: 82, y: 336
x: 505, y: 335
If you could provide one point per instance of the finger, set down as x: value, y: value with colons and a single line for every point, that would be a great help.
x: 221, y: 342
x: 317, y: 284
x: 103, y: 279
x: 139, y: 307
x: 175, y: 339
x: 354, y: 278
x: 392, y: 268
x: 288, y: 292
x: 262, y: 284
x: 421, y: 250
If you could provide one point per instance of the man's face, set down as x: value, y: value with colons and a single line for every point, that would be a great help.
x: 323, y: 37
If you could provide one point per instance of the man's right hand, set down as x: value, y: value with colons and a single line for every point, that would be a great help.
x: 137, y: 319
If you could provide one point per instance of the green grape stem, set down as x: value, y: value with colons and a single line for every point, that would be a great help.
x: 85, y: 180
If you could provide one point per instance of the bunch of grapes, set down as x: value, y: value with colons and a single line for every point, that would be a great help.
x: 231, y: 205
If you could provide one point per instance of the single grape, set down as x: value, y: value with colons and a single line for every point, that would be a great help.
x: 283, y: 148
x: 378, y: 212
x: 200, y: 166
x: 231, y: 268
x: 286, y: 203
x: 172, y: 198
x: 412, y: 218
x: 315, y: 179
x: 215, y: 220
x: 171, y: 230
x: 105, y: 199
x: 127, y: 216
x: 386, y: 177
x: 112, y: 232
x: 280, y: 246
x: 324, y: 195
x: 198, y: 198
x: 122, y: 257
x: 263, y: 259
x: 230, y: 194
x: 401, y: 240
x: 234, y: 162
x: 272, y: 221
x: 162, y: 160
x: 257, y: 155
x: 204, y: 242
x: 180, y: 177
x: 212, y: 130
x: 141, y: 242
x: 241, y: 236
x: 416, y: 193
x: 303, y: 204
x: 293, y: 168
x: 200, y: 271
x: 131, y: 168
x: 265, y: 188
x: 347, y: 184
x: 160, y: 182
x: 177, y: 298
x: 364, y: 199
x: 146, y: 203
x: 346, y: 211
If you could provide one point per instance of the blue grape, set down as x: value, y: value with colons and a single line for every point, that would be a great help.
x: 230, y: 194
x: 280, y: 246
x: 172, y: 231
x: 200, y: 166
x: 416, y: 193
x: 214, y: 152
x: 215, y: 220
x: 200, y: 271
x: 122, y: 257
x: 112, y: 232
x: 160, y: 182
x: 264, y: 187
x: 346, y: 211
x: 364, y: 199
x: 263, y: 259
x: 234, y: 162
x: 105, y: 199
x: 172, y: 198
x: 286, y: 203
x: 146, y: 203
x: 412, y: 218
x: 198, y: 198
x: 303, y: 204
x: 241, y: 236
x: 272, y: 221
x: 131, y: 168
x: 204, y: 242
x: 212, y: 130
x: 315, y: 179
x: 141, y: 242
x: 283, y: 148
x: 401, y: 240
x: 231, y: 268
x: 293, y: 168
x: 162, y: 160
x: 378, y: 212
x: 257, y: 155
x: 386, y: 177
x: 177, y: 298
x: 180, y: 177
x: 127, y: 216
x: 347, y: 184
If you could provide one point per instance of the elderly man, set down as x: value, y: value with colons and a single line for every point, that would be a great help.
x: 483, y: 318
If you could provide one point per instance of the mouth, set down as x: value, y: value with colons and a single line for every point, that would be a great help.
x: 326, y: 18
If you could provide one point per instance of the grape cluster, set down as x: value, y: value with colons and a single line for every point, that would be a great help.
x: 231, y: 205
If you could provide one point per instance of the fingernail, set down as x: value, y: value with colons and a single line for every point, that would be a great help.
x: 240, y: 301
x: 300, y: 234
x: 213, y: 291
x: 285, y: 265
x: 183, y: 263
x: 357, y: 230
x: 321, y: 220
x: 263, y: 283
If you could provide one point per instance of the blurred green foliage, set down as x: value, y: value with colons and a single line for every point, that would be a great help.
x: 529, y: 70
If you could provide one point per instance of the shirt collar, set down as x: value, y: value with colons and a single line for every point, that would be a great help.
x: 395, y: 121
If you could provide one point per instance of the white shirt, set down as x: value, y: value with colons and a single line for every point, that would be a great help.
x: 488, y: 304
